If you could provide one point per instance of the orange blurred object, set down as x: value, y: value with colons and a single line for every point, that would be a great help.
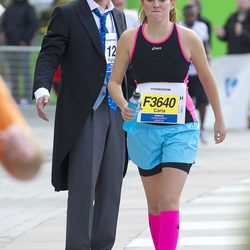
x: 19, y: 153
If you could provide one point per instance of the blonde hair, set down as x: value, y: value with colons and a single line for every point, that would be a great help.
x: 172, y: 15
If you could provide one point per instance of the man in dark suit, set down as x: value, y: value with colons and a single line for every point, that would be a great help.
x: 236, y: 31
x: 89, y: 144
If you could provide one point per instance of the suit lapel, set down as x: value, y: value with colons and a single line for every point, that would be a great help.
x: 119, y: 24
x: 86, y: 17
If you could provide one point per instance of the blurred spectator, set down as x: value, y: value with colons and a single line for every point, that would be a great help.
x: 132, y: 18
x: 196, y: 90
x: 19, y: 153
x: 19, y: 24
x: 198, y: 7
x: 236, y: 31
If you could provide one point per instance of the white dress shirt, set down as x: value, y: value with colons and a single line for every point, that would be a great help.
x: 109, y: 24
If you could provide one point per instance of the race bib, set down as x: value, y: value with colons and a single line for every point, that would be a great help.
x: 110, y: 52
x: 163, y: 103
x: 110, y: 47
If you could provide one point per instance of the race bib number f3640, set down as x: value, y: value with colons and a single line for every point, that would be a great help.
x: 163, y: 103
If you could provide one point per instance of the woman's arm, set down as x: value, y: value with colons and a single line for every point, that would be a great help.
x: 122, y: 60
x: 199, y: 59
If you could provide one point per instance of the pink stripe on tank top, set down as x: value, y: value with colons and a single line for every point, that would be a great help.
x: 181, y: 45
x: 134, y: 44
x: 189, y: 101
x: 162, y: 41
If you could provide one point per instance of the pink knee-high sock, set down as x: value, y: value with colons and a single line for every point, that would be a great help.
x: 169, y: 230
x: 154, y: 224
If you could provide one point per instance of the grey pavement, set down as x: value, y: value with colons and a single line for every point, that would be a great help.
x: 214, y: 204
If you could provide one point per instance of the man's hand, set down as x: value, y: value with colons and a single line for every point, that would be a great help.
x: 238, y: 29
x: 220, y: 32
x: 41, y: 103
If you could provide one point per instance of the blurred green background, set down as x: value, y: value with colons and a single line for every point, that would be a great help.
x: 217, y: 11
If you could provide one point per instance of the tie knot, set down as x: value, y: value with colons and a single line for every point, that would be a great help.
x: 101, y: 16
x: 103, y: 28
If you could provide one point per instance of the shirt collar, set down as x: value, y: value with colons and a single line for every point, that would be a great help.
x: 93, y: 5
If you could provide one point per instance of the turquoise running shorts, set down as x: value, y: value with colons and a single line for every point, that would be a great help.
x: 150, y: 145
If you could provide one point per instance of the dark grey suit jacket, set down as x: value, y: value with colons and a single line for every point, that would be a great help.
x: 73, y: 41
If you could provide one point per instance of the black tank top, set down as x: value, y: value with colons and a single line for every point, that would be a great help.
x: 162, y: 61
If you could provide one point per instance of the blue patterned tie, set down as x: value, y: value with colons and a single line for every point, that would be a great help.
x: 103, y: 31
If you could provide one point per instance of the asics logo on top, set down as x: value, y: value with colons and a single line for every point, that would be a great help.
x: 157, y: 48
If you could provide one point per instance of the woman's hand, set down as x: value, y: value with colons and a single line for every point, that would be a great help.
x: 127, y: 113
x: 220, y: 131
